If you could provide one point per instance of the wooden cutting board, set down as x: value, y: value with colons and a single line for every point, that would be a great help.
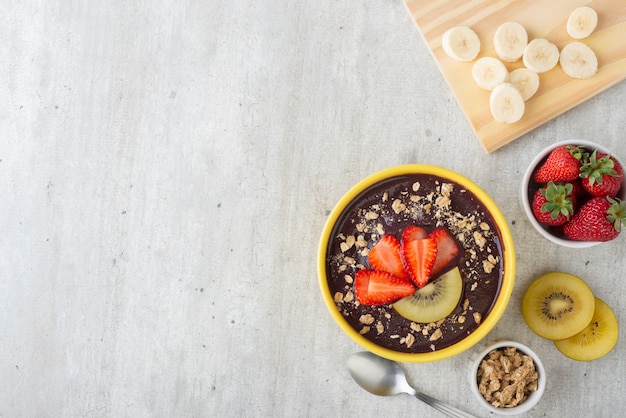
x: 542, y: 19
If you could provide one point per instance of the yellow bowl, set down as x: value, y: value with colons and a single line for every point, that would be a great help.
x: 401, y: 183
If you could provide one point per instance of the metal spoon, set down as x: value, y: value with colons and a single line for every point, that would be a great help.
x: 384, y: 377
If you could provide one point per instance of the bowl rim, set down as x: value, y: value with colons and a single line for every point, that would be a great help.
x: 525, y: 201
x: 531, y: 401
x: 509, y: 261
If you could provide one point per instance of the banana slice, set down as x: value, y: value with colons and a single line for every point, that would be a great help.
x: 510, y: 40
x: 578, y: 60
x: 582, y: 22
x: 488, y: 72
x: 526, y: 81
x: 506, y: 103
x: 461, y: 43
x: 540, y: 55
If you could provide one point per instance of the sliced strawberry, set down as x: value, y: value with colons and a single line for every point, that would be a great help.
x: 447, y: 251
x: 413, y: 232
x: 419, y: 256
x: 385, y: 256
x: 372, y: 287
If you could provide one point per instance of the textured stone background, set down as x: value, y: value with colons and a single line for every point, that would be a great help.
x: 166, y: 168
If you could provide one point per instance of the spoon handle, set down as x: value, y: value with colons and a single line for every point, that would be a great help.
x: 442, y: 407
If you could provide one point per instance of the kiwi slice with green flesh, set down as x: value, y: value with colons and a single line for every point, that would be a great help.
x: 596, y: 340
x: 434, y: 301
x: 558, y: 305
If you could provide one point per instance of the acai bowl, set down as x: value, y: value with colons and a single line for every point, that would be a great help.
x: 395, y: 215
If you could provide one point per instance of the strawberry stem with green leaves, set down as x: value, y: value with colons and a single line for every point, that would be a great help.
x: 594, y: 168
x: 616, y: 214
x: 577, y: 152
x: 558, y: 199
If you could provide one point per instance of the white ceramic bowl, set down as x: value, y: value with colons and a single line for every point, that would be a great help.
x: 525, y: 196
x: 532, y: 399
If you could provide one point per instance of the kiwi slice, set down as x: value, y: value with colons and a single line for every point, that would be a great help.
x: 558, y: 305
x: 596, y: 340
x: 434, y: 301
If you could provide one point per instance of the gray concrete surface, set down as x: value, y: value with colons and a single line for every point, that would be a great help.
x: 166, y: 168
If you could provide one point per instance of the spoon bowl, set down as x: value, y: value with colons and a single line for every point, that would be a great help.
x: 377, y: 375
x: 384, y: 377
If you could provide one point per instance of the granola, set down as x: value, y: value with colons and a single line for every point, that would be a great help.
x: 506, y: 377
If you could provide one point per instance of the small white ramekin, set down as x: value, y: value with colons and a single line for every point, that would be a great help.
x: 532, y: 399
x: 526, y: 200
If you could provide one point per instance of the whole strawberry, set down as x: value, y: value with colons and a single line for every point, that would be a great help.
x: 554, y: 204
x: 600, y: 219
x: 562, y: 165
x: 602, y: 175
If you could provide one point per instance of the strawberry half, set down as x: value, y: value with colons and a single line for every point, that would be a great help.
x: 413, y: 232
x: 419, y: 257
x: 372, y: 287
x: 385, y: 256
x: 447, y: 251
